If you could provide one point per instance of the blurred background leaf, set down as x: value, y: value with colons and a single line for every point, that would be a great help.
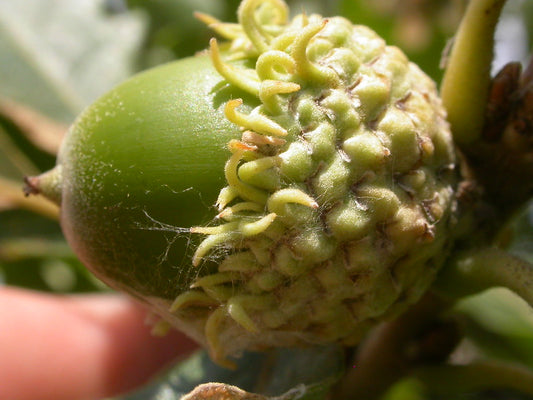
x: 57, y: 57
x: 421, y: 28
x: 174, y: 33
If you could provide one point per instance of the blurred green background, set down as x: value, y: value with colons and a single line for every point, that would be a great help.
x: 57, y: 56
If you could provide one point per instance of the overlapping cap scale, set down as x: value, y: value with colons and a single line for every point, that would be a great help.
x: 339, y: 194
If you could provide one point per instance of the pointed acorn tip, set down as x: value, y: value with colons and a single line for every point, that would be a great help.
x: 48, y: 184
x: 31, y: 185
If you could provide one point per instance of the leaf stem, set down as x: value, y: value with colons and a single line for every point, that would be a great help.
x: 483, y: 269
x: 466, y: 81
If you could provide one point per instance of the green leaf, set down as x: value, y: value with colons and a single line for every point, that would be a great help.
x: 288, y: 373
x: 500, y: 324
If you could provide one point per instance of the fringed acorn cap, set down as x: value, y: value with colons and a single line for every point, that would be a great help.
x: 340, y: 192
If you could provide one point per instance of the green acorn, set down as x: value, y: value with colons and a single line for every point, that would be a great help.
x: 326, y: 154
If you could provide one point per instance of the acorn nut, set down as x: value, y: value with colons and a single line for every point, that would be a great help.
x: 328, y: 160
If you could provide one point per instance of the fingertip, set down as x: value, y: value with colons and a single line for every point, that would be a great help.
x: 82, y: 347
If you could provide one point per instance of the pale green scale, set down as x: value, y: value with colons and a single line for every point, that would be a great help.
x: 340, y: 110
x: 335, y: 281
x: 338, y: 31
x: 297, y: 295
x: 260, y: 248
x: 296, y: 163
x: 319, y: 48
x: 366, y: 43
x: 403, y: 139
x: 283, y: 260
x: 372, y: 94
x: 244, y: 261
x: 264, y: 281
x: 415, y: 181
x: 394, y: 66
x: 333, y: 181
x: 313, y: 246
x: 366, y: 151
x: 322, y: 141
x: 262, y: 173
x: 349, y: 220
x: 382, y: 202
x: 344, y: 62
x: 363, y: 255
x: 273, y: 319
x: 308, y: 113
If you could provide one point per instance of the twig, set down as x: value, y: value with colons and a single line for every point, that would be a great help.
x: 479, y: 375
x: 466, y: 82
x: 482, y: 269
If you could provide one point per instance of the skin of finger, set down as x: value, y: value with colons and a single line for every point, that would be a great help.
x: 78, y: 347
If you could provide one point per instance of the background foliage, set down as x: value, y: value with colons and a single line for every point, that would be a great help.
x: 57, y: 56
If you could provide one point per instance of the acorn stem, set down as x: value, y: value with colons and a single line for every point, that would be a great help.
x: 48, y: 184
x: 484, y: 269
x: 465, y: 85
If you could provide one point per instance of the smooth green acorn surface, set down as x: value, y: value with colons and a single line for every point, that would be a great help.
x: 140, y: 163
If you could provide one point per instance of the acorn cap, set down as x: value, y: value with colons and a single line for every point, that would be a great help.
x: 340, y: 192
x: 326, y: 156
